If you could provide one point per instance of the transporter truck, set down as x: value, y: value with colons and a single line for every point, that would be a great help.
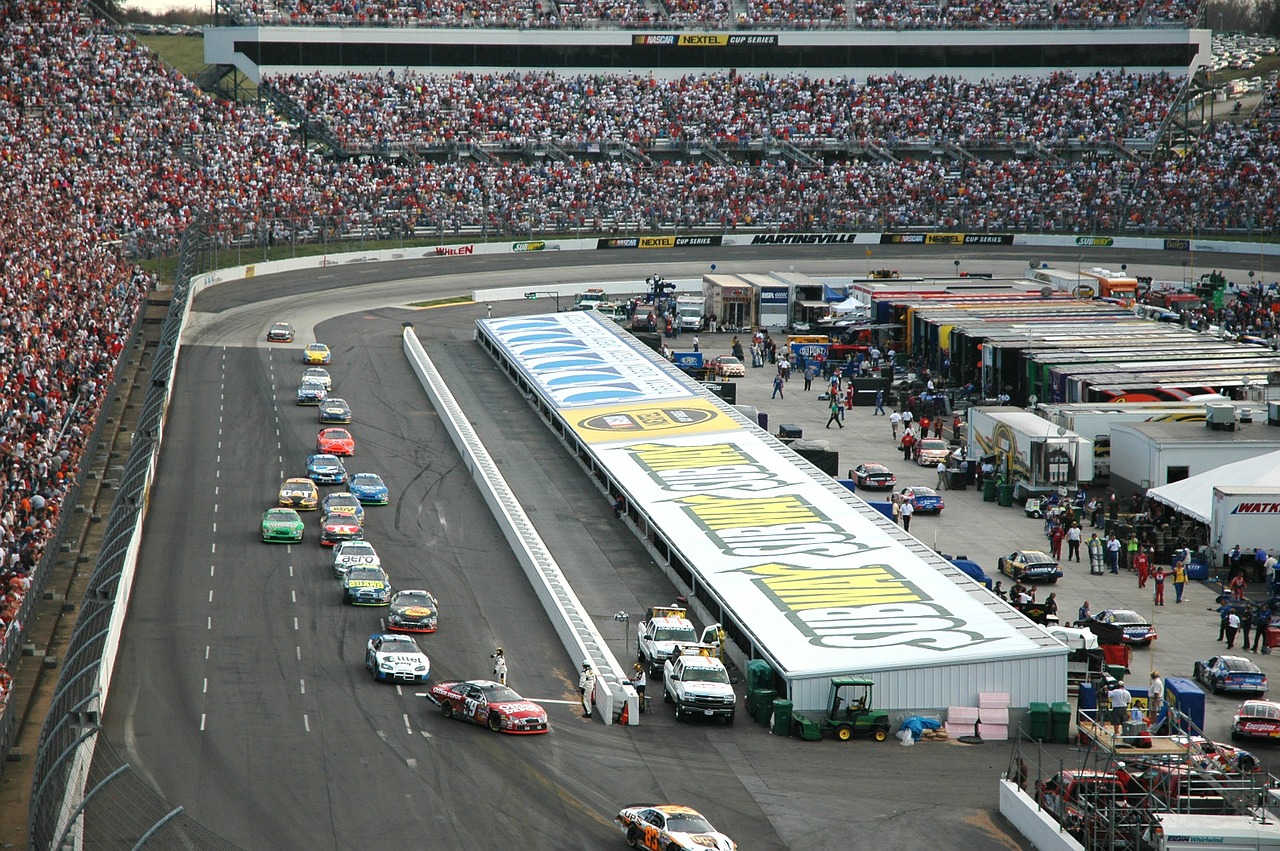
x: 1025, y: 447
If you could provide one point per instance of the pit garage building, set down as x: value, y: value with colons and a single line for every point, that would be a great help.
x: 800, y: 572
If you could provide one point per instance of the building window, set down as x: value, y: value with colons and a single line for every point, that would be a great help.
x: 1176, y: 474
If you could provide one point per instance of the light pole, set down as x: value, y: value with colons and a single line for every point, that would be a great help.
x: 957, y: 262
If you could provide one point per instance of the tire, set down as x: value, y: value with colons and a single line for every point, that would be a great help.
x: 666, y: 696
x: 728, y: 720
x: 880, y: 734
x: 1235, y: 737
x: 634, y: 836
x: 844, y: 732
x: 446, y: 709
x: 495, y: 722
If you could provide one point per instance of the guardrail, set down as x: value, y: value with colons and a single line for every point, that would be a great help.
x: 72, y: 773
x: 577, y: 632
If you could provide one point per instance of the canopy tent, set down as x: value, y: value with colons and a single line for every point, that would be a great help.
x: 1194, y: 496
x: 850, y: 305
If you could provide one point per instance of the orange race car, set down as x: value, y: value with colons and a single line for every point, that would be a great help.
x: 335, y: 441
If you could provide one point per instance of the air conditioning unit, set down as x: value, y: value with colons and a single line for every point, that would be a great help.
x: 1220, y: 417
x: 1246, y: 416
x: 1273, y: 413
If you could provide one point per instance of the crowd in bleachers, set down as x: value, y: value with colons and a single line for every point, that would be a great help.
x: 717, y: 14
x: 409, y: 110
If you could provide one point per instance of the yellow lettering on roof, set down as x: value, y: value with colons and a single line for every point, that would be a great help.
x: 800, y: 589
x: 658, y: 457
x: 717, y: 512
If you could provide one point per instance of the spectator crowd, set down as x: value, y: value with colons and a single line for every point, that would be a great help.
x: 408, y: 110
x: 716, y: 14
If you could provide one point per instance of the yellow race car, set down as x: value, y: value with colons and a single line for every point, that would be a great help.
x: 317, y: 353
x: 299, y: 494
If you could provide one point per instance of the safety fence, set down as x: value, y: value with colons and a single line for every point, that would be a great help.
x: 81, y: 785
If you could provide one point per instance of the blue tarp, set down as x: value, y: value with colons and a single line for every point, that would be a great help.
x: 917, y: 724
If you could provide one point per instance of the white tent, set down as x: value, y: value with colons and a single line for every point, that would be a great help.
x: 1194, y: 496
x: 850, y: 305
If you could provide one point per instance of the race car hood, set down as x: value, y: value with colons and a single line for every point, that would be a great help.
x: 403, y: 661
x: 415, y: 611
x: 718, y: 841
x: 520, y: 709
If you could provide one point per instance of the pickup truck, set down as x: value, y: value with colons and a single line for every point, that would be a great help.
x: 665, y: 628
x: 698, y: 685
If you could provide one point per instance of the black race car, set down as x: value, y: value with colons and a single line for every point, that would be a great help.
x: 870, y: 476
x: 335, y: 410
x: 280, y: 332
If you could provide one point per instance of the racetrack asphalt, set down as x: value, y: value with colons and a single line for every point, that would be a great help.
x: 240, y: 690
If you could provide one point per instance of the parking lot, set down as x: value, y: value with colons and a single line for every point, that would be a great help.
x: 984, y: 531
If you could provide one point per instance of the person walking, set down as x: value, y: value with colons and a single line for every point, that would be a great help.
x: 1233, y: 629
x: 1246, y: 625
x: 777, y: 387
x: 1113, y: 553
x: 1131, y: 548
x: 1179, y: 581
x: 908, y: 440
x: 1074, y: 536
x: 908, y: 508
x: 587, y: 687
x: 942, y: 475
x: 1142, y: 564
x: 809, y: 372
x: 1056, y: 536
x: 1224, y: 609
x: 1261, y: 620
x: 895, y: 503
x: 499, y: 665
x: 695, y: 342
x: 1158, y: 578
x: 1237, y: 585
x: 836, y: 411
x: 895, y: 420
x: 879, y: 410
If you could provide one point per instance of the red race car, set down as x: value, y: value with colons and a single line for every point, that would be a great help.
x: 335, y: 441
x: 491, y: 705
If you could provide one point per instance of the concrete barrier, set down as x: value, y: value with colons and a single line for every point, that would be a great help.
x: 568, y: 616
x: 1033, y: 822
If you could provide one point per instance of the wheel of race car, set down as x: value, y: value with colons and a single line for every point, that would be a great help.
x: 446, y: 709
x: 1235, y: 736
x: 495, y: 722
x: 844, y: 732
x: 880, y: 734
x: 1053, y: 580
x: 634, y: 836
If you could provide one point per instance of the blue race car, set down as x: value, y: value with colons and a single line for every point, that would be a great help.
x: 925, y: 500
x: 326, y: 470
x: 369, y: 488
x: 1231, y: 673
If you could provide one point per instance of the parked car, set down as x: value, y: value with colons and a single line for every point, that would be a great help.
x: 925, y: 500
x: 1134, y: 628
x: 1230, y: 673
x: 1257, y: 719
x: 869, y: 476
x: 1031, y: 565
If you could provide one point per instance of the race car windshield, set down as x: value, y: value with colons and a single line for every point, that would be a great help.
x: 688, y: 824
x: 501, y: 694
x: 1128, y: 617
x: 404, y: 646
x: 1243, y: 666
x: 366, y: 574
x: 413, y: 600
x: 674, y: 633
x: 706, y: 675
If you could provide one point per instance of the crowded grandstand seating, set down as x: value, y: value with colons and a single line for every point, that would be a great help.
x: 414, y: 111
x: 715, y: 14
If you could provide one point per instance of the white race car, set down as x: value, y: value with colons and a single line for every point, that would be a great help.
x: 396, y: 659
x: 349, y: 554
x: 670, y: 827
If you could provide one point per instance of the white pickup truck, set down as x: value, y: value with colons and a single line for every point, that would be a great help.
x: 664, y: 629
x: 698, y: 685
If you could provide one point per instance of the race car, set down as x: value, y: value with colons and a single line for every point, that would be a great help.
x: 336, y: 528
x: 491, y: 705
x: 1134, y: 628
x: 870, y: 476
x: 1257, y: 719
x: 324, y: 469
x: 299, y: 494
x: 281, y: 526
x: 317, y: 353
x: 319, y: 375
x: 1230, y: 673
x: 369, y: 488
x: 413, y: 611
x: 1030, y: 565
x: 925, y: 500
x: 396, y: 659
x: 343, y: 503
x: 670, y: 827
x: 311, y: 393
x: 335, y: 410
x: 335, y: 441
x: 727, y: 366
x: 349, y: 554
x: 280, y: 332
x: 930, y: 451
x: 366, y: 585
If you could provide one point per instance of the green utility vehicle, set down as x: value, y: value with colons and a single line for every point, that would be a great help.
x: 849, y: 714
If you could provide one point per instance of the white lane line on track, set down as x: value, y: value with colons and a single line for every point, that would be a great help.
x: 205, y: 689
x: 213, y: 548
x: 219, y: 444
x: 295, y: 623
x: 201, y: 722
x: 425, y: 734
x: 291, y: 570
x: 293, y: 595
x: 219, y: 432
x: 211, y: 570
x: 217, y: 474
x: 210, y: 595
x: 302, y: 684
x: 208, y: 625
x: 306, y: 723
x: 215, y: 508
x: 215, y: 528
x: 298, y: 650
x: 215, y: 490
x: 407, y: 727
x: 217, y: 459
x: 206, y: 652
x: 399, y: 690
